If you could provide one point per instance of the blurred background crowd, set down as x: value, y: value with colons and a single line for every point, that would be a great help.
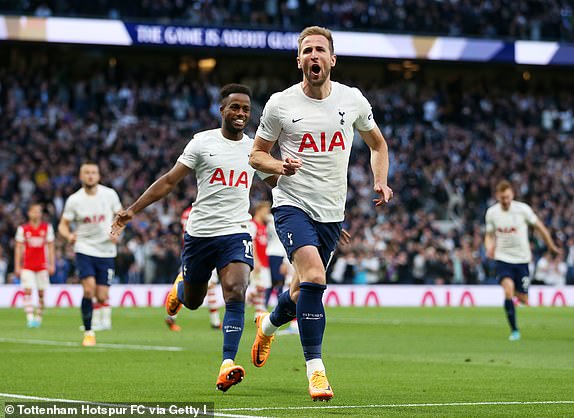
x: 452, y: 133
x: 517, y: 19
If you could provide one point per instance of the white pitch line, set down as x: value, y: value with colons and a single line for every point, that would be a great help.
x: 40, y: 398
x: 99, y: 345
x: 405, y: 405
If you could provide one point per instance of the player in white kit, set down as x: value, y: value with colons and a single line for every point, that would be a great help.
x: 91, y: 209
x: 217, y: 232
x: 313, y: 122
x: 506, y: 241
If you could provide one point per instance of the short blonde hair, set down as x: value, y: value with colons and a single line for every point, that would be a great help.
x: 503, y: 185
x: 316, y: 30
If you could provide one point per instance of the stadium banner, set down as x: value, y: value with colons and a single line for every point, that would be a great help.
x: 335, y: 295
x: 351, y: 44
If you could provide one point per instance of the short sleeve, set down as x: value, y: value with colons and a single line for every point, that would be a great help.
x: 270, y: 122
x: 252, y: 229
x: 530, y: 216
x: 50, y: 236
x: 489, y: 222
x: 20, y: 234
x: 69, y: 212
x: 116, y: 203
x: 190, y: 155
x: 364, y: 121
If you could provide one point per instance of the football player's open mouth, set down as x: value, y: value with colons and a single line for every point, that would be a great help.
x: 315, y: 68
x: 239, y: 122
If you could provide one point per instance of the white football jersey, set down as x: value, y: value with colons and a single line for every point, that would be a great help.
x: 93, y: 216
x: 224, y: 178
x: 510, y: 228
x: 320, y: 133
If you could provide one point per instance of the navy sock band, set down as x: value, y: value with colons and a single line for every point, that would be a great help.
x: 87, y: 310
x: 311, y: 319
x: 510, y: 313
x: 285, y: 310
x: 232, y: 328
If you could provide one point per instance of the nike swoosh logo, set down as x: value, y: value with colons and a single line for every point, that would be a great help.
x: 211, y: 155
x: 258, y: 362
x: 370, y: 116
x: 296, y: 120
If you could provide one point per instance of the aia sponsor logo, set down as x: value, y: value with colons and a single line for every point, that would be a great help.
x: 230, y: 179
x: 507, y: 230
x: 308, y: 142
x: 94, y: 219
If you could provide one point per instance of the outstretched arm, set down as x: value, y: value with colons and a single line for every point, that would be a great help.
x: 262, y: 160
x: 543, y: 231
x: 379, y: 163
x: 158, y: 190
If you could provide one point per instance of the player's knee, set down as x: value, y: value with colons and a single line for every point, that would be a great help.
x: 315, y: 275
x: 234, y: 292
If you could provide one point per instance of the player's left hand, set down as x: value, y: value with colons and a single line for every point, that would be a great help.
x: 386, y: 194
x: 555, y: 250
x: 345, y: 237
x: 122, y: 218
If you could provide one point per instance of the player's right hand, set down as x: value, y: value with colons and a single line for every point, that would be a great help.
x: 72, y: 238
x: 291, y: 165
x: 122, y: 218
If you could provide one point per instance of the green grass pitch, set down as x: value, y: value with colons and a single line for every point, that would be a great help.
x: 435, y: 362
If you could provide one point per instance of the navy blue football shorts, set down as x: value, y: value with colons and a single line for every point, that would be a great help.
x: 296, y: 229
x: 102, y: 268
x: 202, y: 254
x: 519, y: 274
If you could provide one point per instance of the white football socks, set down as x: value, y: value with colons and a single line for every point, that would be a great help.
x: 314, y: 365
x: 267, y: 326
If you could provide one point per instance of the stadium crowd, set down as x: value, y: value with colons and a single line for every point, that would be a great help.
x: 450, y: 142
x: 523, y: 19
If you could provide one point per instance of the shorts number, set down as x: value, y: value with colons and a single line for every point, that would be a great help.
x: 525, y: 282
x: 248, y: 248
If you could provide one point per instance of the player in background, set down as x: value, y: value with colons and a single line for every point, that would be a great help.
x: 260, y: 276
x: 506, y: 241
x: 34, y: 261
x: 277, y: 258
x: 313, y: 123
x: 217, y: 232
x: 214, y: 318
x: 91, y: 210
